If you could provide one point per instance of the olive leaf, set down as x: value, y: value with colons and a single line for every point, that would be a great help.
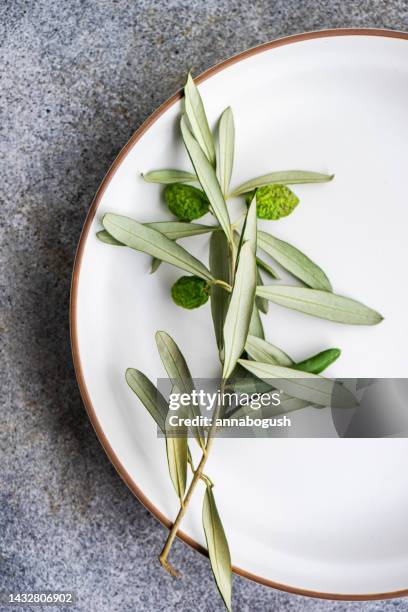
x: 177, y: 457
x: 312, y: 388
x: 198, y: 119
x: 172, y: 229
x: 261, y: 303
x: 288, y: 177
x: 287, y: 404
x: 181, y: 229
x: 220, y: 269
x: 105, y: 237
x: 178, y: 372
x: 249, y: 231
x: 240, y: 309
x: 149, y: 395
x: 167, y: 177
x: 156, y: 263
x: 158, y: 408
x: 321, y: 304
x: 218, y: 549
x: 208, y: 179
x: 263, y: 351
x: 226, y: 137
x: 294, y: 261
x: 255, y: 325
x: 267, y: 268
x: 150, y: 241
x: 317, y: 363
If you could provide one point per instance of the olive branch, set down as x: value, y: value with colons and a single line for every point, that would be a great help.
x: 234, y: 284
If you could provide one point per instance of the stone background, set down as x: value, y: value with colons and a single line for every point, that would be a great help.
x: 77, y: 78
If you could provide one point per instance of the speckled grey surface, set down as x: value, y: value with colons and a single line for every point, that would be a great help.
x: 77, y: 78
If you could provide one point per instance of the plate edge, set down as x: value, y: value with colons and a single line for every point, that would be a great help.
x: 327, y: 33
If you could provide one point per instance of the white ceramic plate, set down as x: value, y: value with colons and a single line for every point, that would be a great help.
x: 324, y: 516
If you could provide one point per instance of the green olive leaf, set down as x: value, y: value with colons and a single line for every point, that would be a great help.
x: 167, y: 177
x: 180, y: 229
x: 178, y: 372
x: 287, y: 404
x: 149, y: 395
x: 105, y: 237
x: 267, y: 268
x: 198, y: 119
x: 317, y: 363
x: 255, y: 326
x: 321, y: 304
x: 263, y: 351
x: 155, y: 265
x: 150, y: 241
x: 242, y: 381
x: 249, y: 231
x: 208, y: 179
x: 240, y: 309
x: 261, y: 303
x: 310, y: 387
x: 288, y: 177
x: 226, y: 137
x: 177, y: 457
x: 218, y: 549
x: 294, y: 261
x: 220, y: 269
x: 172, y: 229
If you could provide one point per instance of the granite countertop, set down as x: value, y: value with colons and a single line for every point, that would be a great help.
x: 78, y: 77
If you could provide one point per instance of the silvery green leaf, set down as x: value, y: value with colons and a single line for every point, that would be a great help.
x: 263, y: 351
x: 288, y: 177
x: 220, y: 269
x: 149, y: 395
x: 208, y: 179
x: 105, y: 237
x: 294, y: 261
x: 155, y: 265
x: 150, y: 241
x: 167, y: 177
x: 226, y: 135
x: 172, y: 229
x: 255, y: 325
x: 178, y: 372
x: 267, y: 268
x: 260, y: 303
x: 310, y: 387
x: 198, y: 119
x: 240, y: 309
x: 249, y: 231
x: 321, y: 304
x: 180, y: 229
x: 218, y: 549
x: 174, y: 362
x: 242, y: 381
x: 288, y: 404
x: 176, y: 447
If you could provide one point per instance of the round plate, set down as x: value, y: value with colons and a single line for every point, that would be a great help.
x: 324, y: 517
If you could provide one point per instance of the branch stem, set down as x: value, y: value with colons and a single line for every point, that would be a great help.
x: 198, y: 474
